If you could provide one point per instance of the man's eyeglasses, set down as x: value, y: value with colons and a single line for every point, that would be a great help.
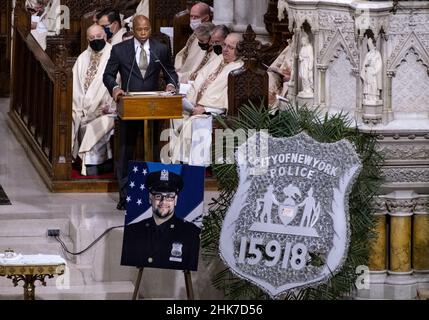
x: 159, y: 196
x: 229, y: 47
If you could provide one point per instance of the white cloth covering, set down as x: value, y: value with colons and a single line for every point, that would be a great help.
x: 91, y: 128
x: 194, y: 137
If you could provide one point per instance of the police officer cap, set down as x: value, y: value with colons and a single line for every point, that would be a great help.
x: 164, y: 181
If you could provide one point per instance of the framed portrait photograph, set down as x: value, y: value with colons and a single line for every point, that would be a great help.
x: 164, y: 216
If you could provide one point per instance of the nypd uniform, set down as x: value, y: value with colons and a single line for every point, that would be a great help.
x: 173, y: 244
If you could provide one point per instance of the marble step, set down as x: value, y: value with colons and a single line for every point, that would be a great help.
x: 115, y: 290
x: 35, y: 245
x: 33, y: 227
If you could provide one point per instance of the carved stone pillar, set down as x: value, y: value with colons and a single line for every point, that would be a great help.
x: 400, y: 206
x: 223, y: 12
x: 378, y: 247
x: 316, y: 78
x: 323, y: 89
x: 387, y: 110
x: 421, y: 235
x: 359, y: 112
x: 238, y: 14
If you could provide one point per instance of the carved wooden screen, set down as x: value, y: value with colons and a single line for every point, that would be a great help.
x: 249, y: 82
x: 5, y: 29
x: 279, y: 33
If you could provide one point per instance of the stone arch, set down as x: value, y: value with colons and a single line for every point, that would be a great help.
x: 338, y: 44
x: 411, y: 43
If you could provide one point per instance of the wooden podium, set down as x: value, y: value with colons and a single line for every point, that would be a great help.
x: 148, y: 106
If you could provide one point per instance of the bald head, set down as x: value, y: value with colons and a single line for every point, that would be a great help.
x: 200, y: 10
x: 95, y: 32
x: 230, y: 49
x: 235, y: 37
x: 140, y: 18
x: 141, y: 28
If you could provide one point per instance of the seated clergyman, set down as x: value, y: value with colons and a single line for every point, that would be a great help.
x: 203, y: 35
x: 208, y: 95
x: 185, y: 58
x: 92, y: 104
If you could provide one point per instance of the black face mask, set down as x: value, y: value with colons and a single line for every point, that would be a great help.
x: 204, y: 46
x: 97, y: 44
x: 217, y: 48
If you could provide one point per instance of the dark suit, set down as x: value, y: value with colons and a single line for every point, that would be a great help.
x: 172, y: 245
x: 121, y: 60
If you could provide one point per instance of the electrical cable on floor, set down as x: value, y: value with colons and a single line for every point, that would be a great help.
x: 87, y: 248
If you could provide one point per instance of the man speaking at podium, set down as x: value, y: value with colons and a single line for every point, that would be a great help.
x: 139, y: 62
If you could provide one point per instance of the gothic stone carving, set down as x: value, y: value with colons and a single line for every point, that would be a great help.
x: 411, y: 175
x: 400, y: 205
x: 404, y: 151
x: 422, y: 205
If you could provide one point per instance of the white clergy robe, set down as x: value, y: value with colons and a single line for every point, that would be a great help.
x: 186, y: 58
x: 48, y: 24
x: 91, y: 128
x: 194, y: 139
x: 117, y: 37
x: 192, y: 73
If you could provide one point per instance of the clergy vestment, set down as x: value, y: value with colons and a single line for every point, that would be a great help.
x: 91, y: 128
x: 191, y: 74
x: 185, y: 61
x: 117, y: 37
x: 276, y: 84
x: 210, y: 89
x: 48, y: 24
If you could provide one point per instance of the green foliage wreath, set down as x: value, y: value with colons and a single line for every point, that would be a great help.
x: 323, y: 128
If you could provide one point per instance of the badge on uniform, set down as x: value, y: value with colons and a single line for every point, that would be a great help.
x: 176, y: 252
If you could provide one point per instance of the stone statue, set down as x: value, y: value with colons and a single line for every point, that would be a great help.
x: 306, y: 62
x: 371, y: 74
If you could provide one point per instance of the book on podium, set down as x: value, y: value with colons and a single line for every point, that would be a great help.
x: 150, y: 105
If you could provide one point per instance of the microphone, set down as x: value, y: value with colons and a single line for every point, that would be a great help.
x: 129, y: 76
x: 157, y: 60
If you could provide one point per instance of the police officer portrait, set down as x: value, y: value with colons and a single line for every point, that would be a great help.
x: 163, y: 240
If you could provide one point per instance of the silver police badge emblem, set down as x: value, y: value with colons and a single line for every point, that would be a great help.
x: 290, y: 207
x: 176, y: 252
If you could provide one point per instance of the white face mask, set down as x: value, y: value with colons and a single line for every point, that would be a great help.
x: 195, y: 23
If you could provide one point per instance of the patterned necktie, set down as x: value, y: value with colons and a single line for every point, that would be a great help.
x: 143, y: 61
x: 212, y: 77
x: 94, y: 61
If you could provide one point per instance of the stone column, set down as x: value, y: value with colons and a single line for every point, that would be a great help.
x: 223, y: 12
x: 401, y: 284
x: 387, y: 110
x: 400, y: 235
x: 237, y: 14
x: 316, y: 78
x: 359, y: 112
x: 421, y: 236
x: 378, y: 247
x: 322, y: 71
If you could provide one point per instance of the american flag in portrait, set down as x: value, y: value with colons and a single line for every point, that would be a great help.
x: 190, y: 199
